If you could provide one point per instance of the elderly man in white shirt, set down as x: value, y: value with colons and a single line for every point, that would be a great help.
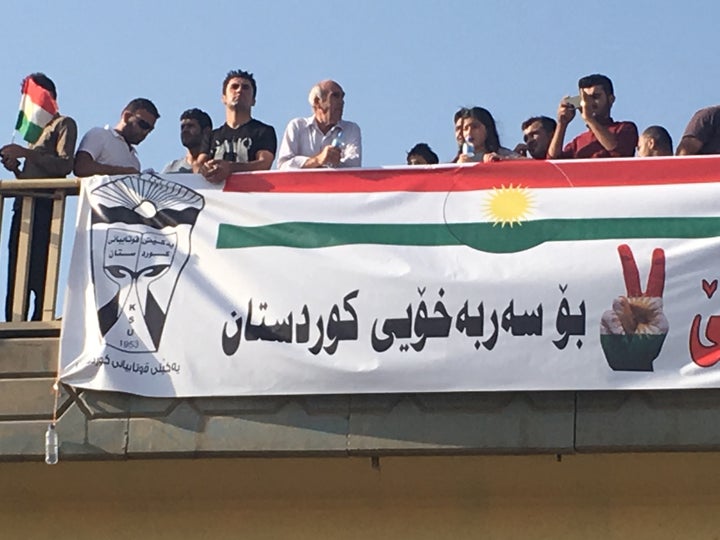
x: 324, y: 139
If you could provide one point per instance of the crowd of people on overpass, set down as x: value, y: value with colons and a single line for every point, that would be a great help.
x: 322, y: 140
x: 326, y: 139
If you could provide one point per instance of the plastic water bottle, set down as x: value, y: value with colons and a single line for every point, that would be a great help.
x: 337, y: 141
x: 51, y: 445
x: 468, y: 148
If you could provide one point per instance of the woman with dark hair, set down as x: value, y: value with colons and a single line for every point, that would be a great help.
x: 480, y: 131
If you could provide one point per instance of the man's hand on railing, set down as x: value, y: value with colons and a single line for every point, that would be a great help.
x: 11, y: 164
x: 13, y: 151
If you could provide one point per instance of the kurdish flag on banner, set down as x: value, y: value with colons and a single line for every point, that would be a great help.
x: 37, y: 108
x: 508, y: 208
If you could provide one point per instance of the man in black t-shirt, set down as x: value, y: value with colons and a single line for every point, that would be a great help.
x: 242, y: 143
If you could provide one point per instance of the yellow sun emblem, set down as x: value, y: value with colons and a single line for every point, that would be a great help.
x: 508, y: 205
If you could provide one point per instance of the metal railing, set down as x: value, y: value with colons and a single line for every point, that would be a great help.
x: 58, y: 190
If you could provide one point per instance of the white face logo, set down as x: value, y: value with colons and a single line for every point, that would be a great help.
x: 134, y: 259
x: 139, y: 249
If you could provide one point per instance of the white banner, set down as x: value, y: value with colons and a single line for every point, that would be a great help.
x: 507, y: 276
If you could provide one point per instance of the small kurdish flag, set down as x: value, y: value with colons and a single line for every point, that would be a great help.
x: 37, y: 108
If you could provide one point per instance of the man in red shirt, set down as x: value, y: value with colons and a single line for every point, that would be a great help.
x: 604, y: 137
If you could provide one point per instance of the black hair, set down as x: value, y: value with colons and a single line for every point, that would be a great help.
x: 661, y: 137
x: 597, y: 80
x: 203, y: 118
x: 460, y: 114
x: 143, y: 104
x: 423, y: 150
x: 548, y: 124
x: 239, y: 73
x: 492, y: 140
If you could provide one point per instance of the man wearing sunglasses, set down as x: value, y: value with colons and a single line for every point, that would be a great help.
x: 112, y: 150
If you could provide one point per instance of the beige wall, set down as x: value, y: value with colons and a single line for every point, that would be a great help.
x: 638, y: 496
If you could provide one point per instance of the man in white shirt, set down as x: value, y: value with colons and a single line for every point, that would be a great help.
x: 324, y: 139
x: 111, y: 150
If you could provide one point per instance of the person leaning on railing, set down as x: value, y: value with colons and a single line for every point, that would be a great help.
x: 109, y: 150
x: 324, y: 139
x: 702, y: 134
x: 51, y: 156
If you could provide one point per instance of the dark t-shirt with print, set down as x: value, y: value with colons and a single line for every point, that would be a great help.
x: 240, y: 145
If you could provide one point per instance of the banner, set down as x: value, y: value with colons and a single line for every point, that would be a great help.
x: 518, y: 275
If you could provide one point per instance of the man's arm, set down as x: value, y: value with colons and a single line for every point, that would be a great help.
x: 85, y: 165
x: 217, y: 170
x: 605, y: 137
x: 58, y: 162
x: 262, y: 162
x: 329, y: 155
x: 689, y: 146
x: 289, y: 156
x: 566, y: 112
x: 620, y: 142
x: 703, y: 126
x: 12, y: 165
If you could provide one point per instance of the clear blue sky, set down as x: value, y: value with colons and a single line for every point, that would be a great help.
x: 406, y: 66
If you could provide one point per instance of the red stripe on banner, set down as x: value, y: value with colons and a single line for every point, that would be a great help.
x: 39, y: 96
x: 528, y: 173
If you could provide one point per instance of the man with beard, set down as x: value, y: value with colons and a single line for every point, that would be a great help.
x: 537, y: 134
x: 604, y: 137
x: 323, y: 139
x: 111, y: 150
x: 241, y: 143
x: 194, y: 125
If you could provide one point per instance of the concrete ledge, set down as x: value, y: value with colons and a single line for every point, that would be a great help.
x: 81, y: 437
x: 505, y: 422
x: 28, y: 357
x: 28, y: 399
x: 288, y: 430
x: 111, y: 425
x: 31, y: 329
x: 668, y: 420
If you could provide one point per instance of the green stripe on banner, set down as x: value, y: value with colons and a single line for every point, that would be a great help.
x: 481, y: 236
x: 29, y: 131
